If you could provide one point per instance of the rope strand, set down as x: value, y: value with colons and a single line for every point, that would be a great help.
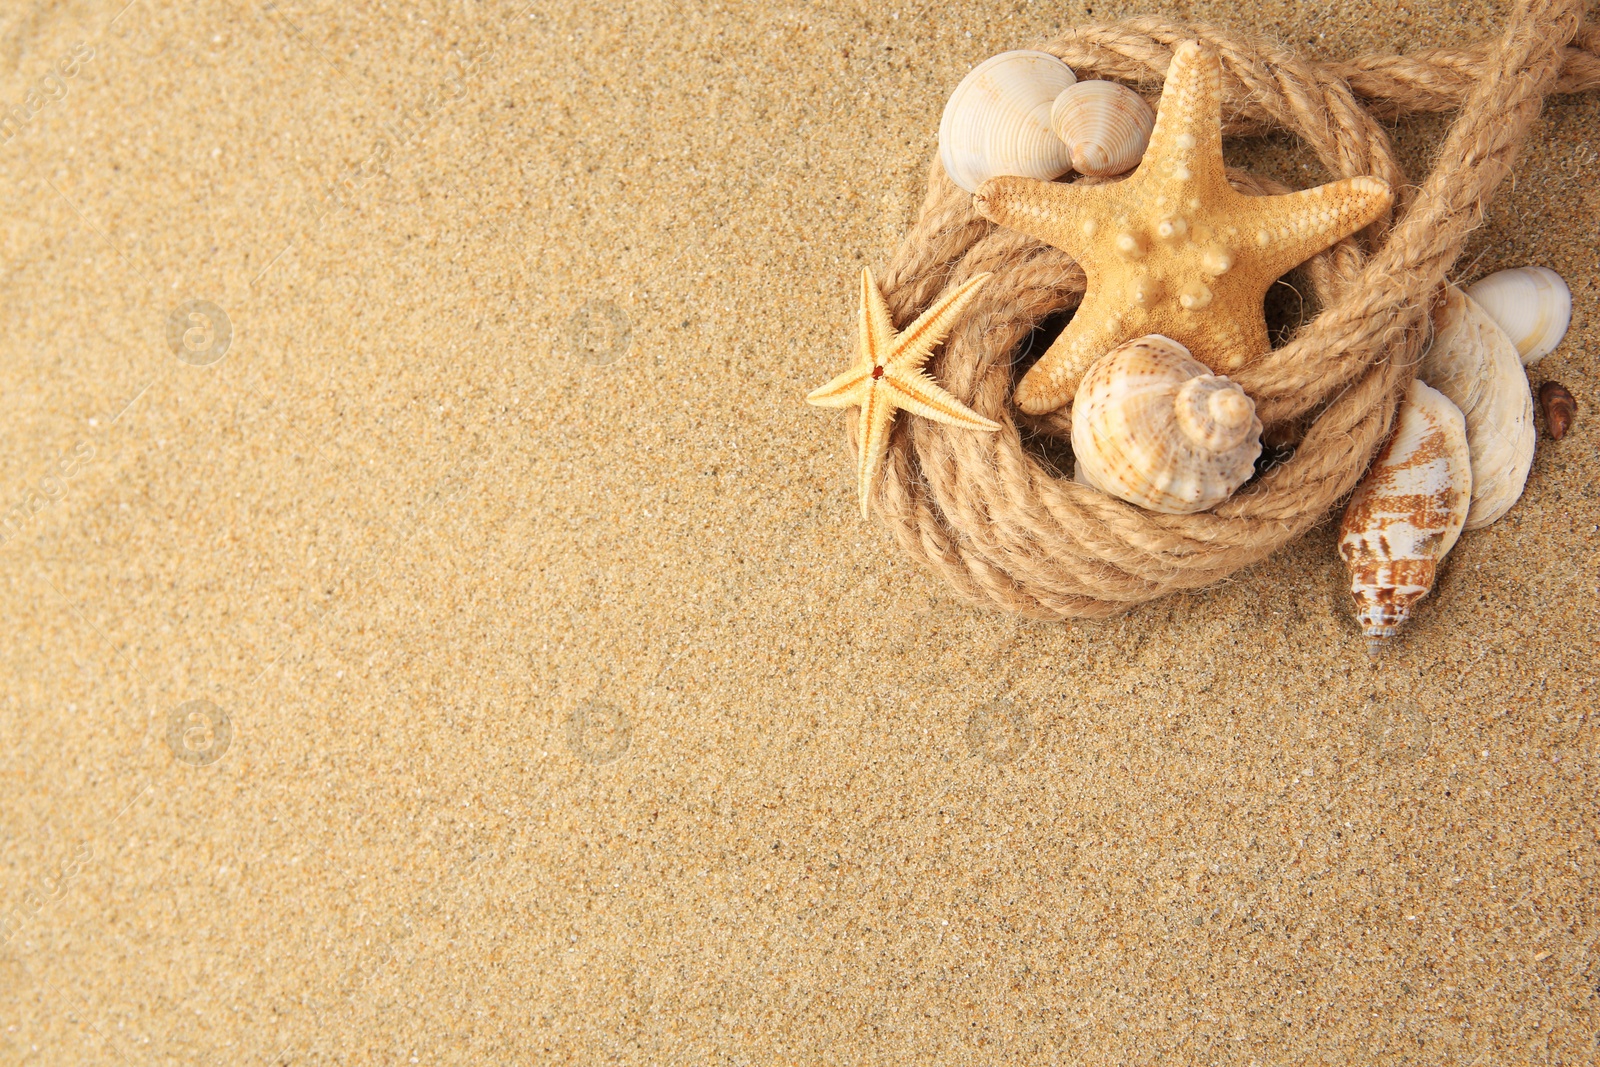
x: 1002, y: 527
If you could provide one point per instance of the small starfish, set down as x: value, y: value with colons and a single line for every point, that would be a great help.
x: 1174, y: 249
x: 890, y: 375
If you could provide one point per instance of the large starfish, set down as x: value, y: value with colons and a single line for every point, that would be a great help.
x: 889, y: 375
x: 1174, y: 249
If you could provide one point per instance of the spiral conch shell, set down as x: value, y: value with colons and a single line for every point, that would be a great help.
x: 1153, y: 426
x: 1531, y: 304
x: 1105, y: 125
x: 1407, y: 513
x: 997, y: 122
x: 1474, y: 363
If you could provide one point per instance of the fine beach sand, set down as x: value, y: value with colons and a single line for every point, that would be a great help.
x: 561, y: 707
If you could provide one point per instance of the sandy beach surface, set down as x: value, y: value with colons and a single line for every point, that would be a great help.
x: 436, y: 630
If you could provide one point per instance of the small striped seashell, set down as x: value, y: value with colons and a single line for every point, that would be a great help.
x: 1105, y: 125
x: 1531, y: 304
x: 1407, y: 512
x: 1474, y: 363
x: 1153, y: 426
x: 997, y: 122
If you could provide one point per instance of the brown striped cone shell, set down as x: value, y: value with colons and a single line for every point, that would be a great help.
x: 1474, y: 363
x: 1105, y: 125
x: 997, y: 122
x: 1407, y: 512
x: 1153, y: 426
x: 1559, y: 409
x: 1532, y: 305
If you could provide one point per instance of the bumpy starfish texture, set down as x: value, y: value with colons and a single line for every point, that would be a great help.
x: 890, y: 377
x: 1174, y: 249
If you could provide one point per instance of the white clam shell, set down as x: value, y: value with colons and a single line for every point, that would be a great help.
x: 1153, y: 426
x: 1106, y: 126
x: 1474, y: 363
x: 1532, y: 305
x: 1407, y: 512
x: 997, y: 122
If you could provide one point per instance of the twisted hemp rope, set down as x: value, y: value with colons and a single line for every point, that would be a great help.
x: 1002, y: 527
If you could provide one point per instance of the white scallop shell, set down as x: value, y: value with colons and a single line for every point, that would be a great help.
x: 998, y: 120
x: 1474, y: 363
x: 1531, y: 304
x: 1106, y: 126
x: 1407, y: 512
x: 1153, y: 426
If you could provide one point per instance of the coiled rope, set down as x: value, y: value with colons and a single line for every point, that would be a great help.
x: 1004, y: 528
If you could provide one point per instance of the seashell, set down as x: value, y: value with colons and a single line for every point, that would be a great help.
x: 1559, y: 409
x: 1531, y: 304
x: 1407, y: 512
x: 1474, y: 363
x: 1153, y: 426
x: 1105, y: 125
x: 997, y: 122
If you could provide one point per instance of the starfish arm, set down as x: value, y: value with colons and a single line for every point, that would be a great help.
x: 1188, y: 132
x: 877, y: 413
x: 1046, y: 211
x: 1291, y: 228
x: 877, y: 325
x: 1052, y: 382
x: 913, y: 347
x: 843, y: 391
x: 921, y: 395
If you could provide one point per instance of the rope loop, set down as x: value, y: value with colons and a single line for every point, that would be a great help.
x: 1005, y: 528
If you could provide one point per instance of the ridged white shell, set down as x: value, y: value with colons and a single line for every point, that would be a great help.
x: 1407, y: 513
x: 1153, y: 426
x: 1531, y: 304
x: 1106, y: 126
x: 998, y: 120
x: 1474, y: 363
